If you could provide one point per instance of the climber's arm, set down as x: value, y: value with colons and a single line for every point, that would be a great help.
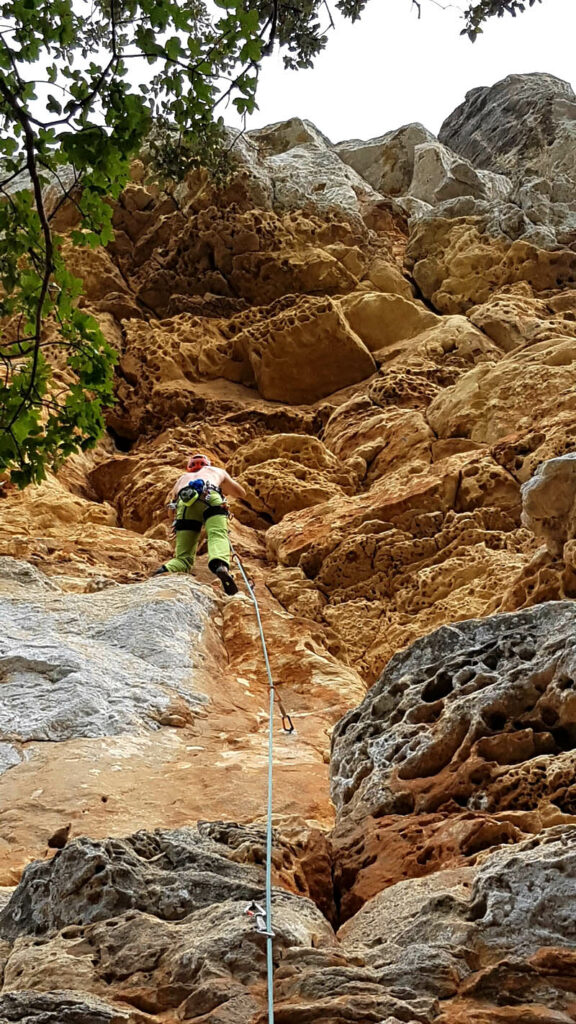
x: 171, y: 496
x: 231, y: 488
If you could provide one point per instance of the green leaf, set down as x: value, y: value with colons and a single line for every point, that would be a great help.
x: 25, y: 424
x: 53, y: 105
x: 252, y: 50
x: 8, y: 146
x: 173, y: 48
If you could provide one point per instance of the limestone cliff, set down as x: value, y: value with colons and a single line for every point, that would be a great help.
x: 378, y: 339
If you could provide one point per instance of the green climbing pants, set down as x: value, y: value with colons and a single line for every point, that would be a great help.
x: 187, y: 537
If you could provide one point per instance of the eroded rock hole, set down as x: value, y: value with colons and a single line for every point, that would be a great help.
x: 352, y: 720
x: 438, y: 687
x: 491, y: 660
x: 461, y: 800
x: 495, y: 720
x: 425, y: 713
x: 123, y: 444
x: 565, y: 737
x: 425, y: 855
x: 549, y: 716
x: 478, y: 909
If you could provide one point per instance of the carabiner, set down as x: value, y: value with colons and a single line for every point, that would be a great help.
x: 290, y: 727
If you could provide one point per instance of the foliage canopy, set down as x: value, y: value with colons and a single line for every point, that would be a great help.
x: 73, y: 113
x: 480, y: 11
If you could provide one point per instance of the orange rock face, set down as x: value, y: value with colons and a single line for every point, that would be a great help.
x: 398, y: 403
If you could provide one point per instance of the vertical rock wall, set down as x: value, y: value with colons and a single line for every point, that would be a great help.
x: 376, y: 339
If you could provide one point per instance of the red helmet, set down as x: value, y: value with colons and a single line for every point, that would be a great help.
x: 195, y: 462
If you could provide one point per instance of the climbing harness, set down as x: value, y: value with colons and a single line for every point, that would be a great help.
x: 198, y: 490
x: 263, y: 915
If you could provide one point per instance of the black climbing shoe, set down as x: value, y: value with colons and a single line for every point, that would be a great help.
x: 160, y: 571
x: 227, y: 581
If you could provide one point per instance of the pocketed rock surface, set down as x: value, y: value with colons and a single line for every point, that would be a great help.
x: 377, y: 338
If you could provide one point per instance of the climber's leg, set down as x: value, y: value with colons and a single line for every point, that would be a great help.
x: 186, y: 547
x: 216, y: 523
x: 188, y: 526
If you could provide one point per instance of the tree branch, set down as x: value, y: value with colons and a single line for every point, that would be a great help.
x: 30, y: 149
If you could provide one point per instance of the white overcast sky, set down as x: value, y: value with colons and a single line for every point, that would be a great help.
x: 391, y: 68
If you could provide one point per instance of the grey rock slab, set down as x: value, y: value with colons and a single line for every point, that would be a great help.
x: 540, y: 200
x: 522, y: 121
x: 9, y: 756
x: 59, y: 1007
x: 545, y: 225
x: 524, y: 897
x: 440, y: 175
x: 168, y: 874
x: 315, y: 178
x: 6, y: 893
x: 294, y: 166
x: 425, y: 935
x: 285, y: 135
x: 386, y: 162
x: 517, y: 139
x: 249, y: 168
x: 15, y: 573
x: 89, y: 665
x: 453, y: 707
x: 548, y: 502
x: 412, y: 935
x: 159, y: 916
x: 415, y: 209
x: 525, y: 192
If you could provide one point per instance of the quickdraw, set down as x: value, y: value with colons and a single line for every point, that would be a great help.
x: 257, y: 912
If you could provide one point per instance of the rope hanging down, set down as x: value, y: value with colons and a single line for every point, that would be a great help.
x: 265, y: 927
x: 287, y: 723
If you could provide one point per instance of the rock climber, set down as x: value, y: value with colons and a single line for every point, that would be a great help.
x: 199, y: 496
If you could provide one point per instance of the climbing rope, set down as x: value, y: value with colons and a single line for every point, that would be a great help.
x: 287, y: 724
x: 264, y: 921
